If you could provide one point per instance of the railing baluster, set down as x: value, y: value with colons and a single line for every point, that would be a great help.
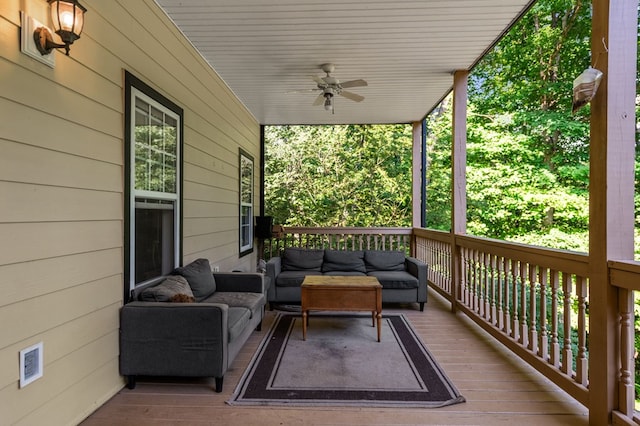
x: 533, y: 327
x: 567, y: 353
x: 494, y: 281
x: 543, y: 347
x: 506, y: 302
x: 515, y: 326
x: 555, y: 344
x: 626, y: 381
x: 466, y: 273
x: 475, y: 281
x: 486, y: 300
x: 500, y: 292
x: 582, y: 364
x: 524, y: 331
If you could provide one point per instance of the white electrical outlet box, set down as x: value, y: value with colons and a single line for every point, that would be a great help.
x: 215, y: 268
x: 31, y: 364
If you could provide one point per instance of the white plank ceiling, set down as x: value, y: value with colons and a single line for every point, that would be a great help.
x: 405, y: 50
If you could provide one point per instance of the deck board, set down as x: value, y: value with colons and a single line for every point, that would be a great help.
x: 500, y: 389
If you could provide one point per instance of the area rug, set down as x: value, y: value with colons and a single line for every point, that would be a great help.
x: 342, y: 364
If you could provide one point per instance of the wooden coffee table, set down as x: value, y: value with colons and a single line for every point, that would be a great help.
x: 341, y: 293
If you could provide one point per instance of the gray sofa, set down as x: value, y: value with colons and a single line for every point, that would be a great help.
x: 162, y: 335
x: 403, y: 278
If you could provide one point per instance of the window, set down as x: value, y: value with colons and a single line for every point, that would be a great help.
x: 246, y: 203
x: 153, y: 175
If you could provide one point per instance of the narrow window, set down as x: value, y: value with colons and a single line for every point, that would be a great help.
x: 246, y: 203
x: 153, y: 176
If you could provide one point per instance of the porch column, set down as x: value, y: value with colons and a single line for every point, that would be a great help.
x: 611, y: 190
x: 417, y: 175
x: 458, y: 177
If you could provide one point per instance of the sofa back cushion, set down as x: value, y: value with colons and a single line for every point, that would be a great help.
x: 164, y: 291
x: 383, y: 260
x: 198, y: 274
x: 343, y: 261
x: 296, y: 259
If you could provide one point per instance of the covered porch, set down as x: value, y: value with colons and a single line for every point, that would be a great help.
x: 500, y: 389
x: 528, y: 335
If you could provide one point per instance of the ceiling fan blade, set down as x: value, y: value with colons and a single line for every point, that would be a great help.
x: 352, y: 96
x: 354, y: 83
x: 302, y: 90
x: 319, y: 100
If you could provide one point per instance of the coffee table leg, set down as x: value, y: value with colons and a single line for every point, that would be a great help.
x: 305, y: 318
x: 379, y: 317
x: 373, y: 318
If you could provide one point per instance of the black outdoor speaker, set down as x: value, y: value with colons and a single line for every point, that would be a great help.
x: 263, y: 227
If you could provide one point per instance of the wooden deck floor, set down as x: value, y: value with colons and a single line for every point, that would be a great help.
x: 499, y: 389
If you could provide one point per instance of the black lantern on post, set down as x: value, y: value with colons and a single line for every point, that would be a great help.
x: 68, y: 19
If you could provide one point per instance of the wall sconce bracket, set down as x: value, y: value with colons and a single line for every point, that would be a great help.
x: 44, y: 41
x: 28, y: 44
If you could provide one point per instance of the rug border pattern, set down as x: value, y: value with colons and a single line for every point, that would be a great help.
x: 254, y: 389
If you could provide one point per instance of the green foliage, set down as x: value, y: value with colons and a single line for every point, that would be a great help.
x: 527, y: 155
x: 339, y: 175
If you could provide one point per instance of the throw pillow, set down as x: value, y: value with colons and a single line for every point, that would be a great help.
x: 198, y: 274
x: 296, y: 259
x: 182, y: 298
x: 343, y: 260
x: 164, y: 291
x: 383, y: 260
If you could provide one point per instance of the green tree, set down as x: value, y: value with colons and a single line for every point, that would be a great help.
x: 352, y: 175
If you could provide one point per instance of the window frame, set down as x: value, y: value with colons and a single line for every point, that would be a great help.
x: 245, y: 248
x: 135, y: 88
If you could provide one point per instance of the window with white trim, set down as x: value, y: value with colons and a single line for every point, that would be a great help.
x: 153, y: 147
x: 246, y: 203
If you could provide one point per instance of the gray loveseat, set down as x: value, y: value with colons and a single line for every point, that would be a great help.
x: 162, y: 335
x: 403, y: 278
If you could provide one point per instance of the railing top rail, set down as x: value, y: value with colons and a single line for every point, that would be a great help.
x: 561, y: 260
x: 347, y: 230
x: 625, y: 274
x: 432, y: 234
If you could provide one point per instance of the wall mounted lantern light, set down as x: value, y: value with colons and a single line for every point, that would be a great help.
x: 68, y: 19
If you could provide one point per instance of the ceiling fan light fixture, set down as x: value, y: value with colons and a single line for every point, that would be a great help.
x: 328, y: 101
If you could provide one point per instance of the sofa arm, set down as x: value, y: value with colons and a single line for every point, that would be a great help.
x: 274, y: 267
x: 173, y: 339
x: 418, y: 269
x: 251, y: 282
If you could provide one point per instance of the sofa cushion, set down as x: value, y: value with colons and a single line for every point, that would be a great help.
x: 295, y: 259
x: 395, y: 279
x: 251, y: 301
x: 165, y: 290
x: 198, y: 274
x: 345, y: 273
x: 293, y: 278
x: 383, y: 260
x: 343, y: 261
x: 237, y: 321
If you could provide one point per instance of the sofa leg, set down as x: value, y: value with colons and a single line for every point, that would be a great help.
x: 219, y: 384
x: 421, y: 306
x: 131, y: 382
x: 259, y: 327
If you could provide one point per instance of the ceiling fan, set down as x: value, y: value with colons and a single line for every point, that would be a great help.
x: 330, y: 86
